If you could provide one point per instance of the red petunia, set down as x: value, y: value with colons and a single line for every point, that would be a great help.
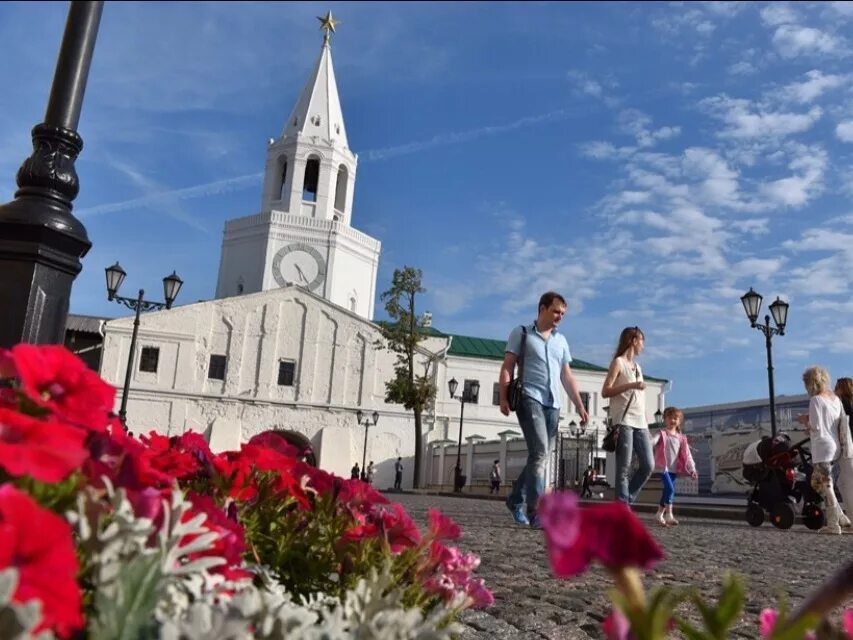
x: 231, y: 542
x: 441, y: 527
x: 609, y: 533
x: 46, y: 561
x: 167, y: 456
x: 399, y: 529
x: 54, y: 378
x: 46, y: 450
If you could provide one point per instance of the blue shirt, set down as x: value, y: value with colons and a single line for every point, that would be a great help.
x: 543, y: 362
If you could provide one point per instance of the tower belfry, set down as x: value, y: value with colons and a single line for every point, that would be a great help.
x: 302, y: 235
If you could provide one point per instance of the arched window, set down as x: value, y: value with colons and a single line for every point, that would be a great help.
x: 312, y: 178
x: 352, y: 303
x: 341, y: 189
x: 283, y: 163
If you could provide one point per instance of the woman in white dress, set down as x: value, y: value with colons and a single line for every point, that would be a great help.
x: 822, y: 424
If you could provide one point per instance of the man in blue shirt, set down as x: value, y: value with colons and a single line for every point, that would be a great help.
x: 547, y: 369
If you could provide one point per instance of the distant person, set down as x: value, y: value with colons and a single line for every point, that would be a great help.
x: 370, y: 472
x: 844, y: 390
x: 354, y: 472
x: 495, y: 477
x: 547, y: 372
x: 625, y: 387
x: 398, y: 474
x: 672, y: 456
x: 822, y: 425
x: 586, y: 484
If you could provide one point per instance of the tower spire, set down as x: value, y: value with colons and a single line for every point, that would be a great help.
x: 327, y: 25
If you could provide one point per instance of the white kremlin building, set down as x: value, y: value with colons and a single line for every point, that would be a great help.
x: 289, y: 342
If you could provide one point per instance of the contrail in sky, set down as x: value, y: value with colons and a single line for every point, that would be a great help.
x: 243, y: 182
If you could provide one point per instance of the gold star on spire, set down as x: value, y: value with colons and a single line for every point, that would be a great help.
x: 327, y: 25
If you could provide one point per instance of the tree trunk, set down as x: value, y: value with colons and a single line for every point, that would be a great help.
x: 416, y: 482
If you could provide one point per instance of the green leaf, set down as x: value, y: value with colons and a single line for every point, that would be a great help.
x: 731, y: 603
x: 796, y: 631
x: 125, y: 610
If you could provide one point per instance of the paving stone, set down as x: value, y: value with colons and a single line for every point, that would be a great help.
x: 530, y: 604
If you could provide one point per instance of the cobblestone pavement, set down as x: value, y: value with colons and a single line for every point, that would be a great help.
x: 530, y: 604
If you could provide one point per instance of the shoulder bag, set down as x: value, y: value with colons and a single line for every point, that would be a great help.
x: 611, y: 438
x: 515, y: 388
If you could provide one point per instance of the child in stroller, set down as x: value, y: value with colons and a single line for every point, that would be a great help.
x: 780, y: 475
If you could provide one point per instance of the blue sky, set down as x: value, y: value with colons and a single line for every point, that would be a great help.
x: 651, y: 161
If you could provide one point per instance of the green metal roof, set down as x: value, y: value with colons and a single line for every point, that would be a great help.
x: 470, y: 347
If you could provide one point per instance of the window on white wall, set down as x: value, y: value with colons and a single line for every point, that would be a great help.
x: 352, y: 303
x: 312, y: 179
x: 149, y: 359
x: 216, y: 368
x: 496, y: 394
x: 585, y: 400
x: 286, y: 373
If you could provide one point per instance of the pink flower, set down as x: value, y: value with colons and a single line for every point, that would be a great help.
x: 482, y: 597
x: 847, y: 623
x: 767, y: 620
x: 442, y: 527
x: 609, y: 533
x: 616, y: 626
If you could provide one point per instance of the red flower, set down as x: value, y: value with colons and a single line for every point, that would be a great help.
x: 46, y: 560
x: 442, y: 527
x: 847, y: 622
x: 167, y: 456
x: 609, y: 533
x: 231, y: 542
x: 54, y: 378
x: 616, y: 626
x: 400, y: 530
x: 46, y: 450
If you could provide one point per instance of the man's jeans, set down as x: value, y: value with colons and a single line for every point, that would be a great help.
x: 633, y: 441
x: 539, y: 426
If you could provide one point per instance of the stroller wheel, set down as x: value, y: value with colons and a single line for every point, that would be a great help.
x: 782, y: 516
x: 754, y: 514
x: 813, y: 516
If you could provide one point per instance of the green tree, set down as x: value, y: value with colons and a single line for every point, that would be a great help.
x: 402, y: 335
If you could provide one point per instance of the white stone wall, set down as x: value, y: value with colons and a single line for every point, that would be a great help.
x: 338, y: 371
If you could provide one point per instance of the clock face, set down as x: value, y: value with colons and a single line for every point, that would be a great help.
x: 301, y: 264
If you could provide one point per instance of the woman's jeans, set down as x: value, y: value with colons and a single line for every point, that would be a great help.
x: 668, y: 478
x: 539, y: 426
x: 632, y: 442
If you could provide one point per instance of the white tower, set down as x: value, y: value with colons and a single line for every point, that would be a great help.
x: 302, y: 235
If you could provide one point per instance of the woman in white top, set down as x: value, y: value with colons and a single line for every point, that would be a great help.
x: 625, y: 387
x: 822, y: 424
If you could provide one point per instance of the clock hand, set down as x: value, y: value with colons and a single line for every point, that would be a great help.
x: 301, y: 275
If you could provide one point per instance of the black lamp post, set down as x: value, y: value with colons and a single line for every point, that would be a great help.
x: 779, y: 309
x: 658, y: 418
x: 171, y: 287
x: 366, y: 423
x: 577, y: 433
x: 41, y: 242
x: 470, y: 395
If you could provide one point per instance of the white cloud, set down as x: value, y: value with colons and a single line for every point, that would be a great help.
x: 778, y: 13
x: 792, y: 41
x: 844, y: 131
x: 745, y: 120
x: 809, y: 166
x: 718, y: 182
x: 742, y: 68
x: 756, y: 226
x: 815, y: 85
x: 637, y: 124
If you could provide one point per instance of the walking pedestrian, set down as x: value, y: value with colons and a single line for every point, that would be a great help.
x: 844, y: 390
x: 353, y: 473
x: 625, y: 387
x: 822, y: 425
x: 672, y: 456
x: 546, y: 357
x: 586, y: 483
x: 370, y: 472
x: 495, y: 477
x: 398, y: 474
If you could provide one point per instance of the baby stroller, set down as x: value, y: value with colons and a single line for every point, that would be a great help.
x: 780, y: 473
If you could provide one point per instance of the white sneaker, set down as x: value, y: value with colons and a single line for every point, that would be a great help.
x: 660, y: 518
x: 669, y: 518
x: 831, y: 529
x: 843, y: 520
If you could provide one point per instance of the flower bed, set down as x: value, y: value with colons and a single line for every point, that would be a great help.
x: 103, y: 535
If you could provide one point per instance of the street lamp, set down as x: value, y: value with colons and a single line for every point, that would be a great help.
x: 171, y: 286
x: 41, y: 242
x: 779, y: 309
x: 470, y: 395
x: 366, y: 423
x: 577, y: 432
x: 658, y: 418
